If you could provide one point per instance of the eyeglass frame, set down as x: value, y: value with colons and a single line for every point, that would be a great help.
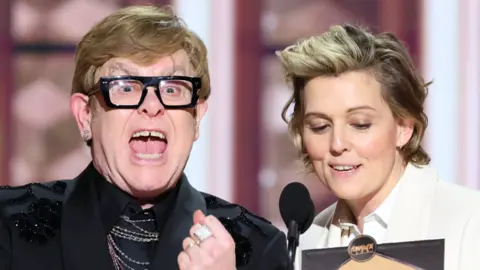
x: 148, y: 81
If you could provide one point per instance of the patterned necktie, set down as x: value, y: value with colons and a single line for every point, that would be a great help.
x: 132, y: 241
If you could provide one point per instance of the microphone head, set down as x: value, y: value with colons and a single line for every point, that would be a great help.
x: 296, y: 205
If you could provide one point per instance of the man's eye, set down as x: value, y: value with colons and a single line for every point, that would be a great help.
x: 127, y: 88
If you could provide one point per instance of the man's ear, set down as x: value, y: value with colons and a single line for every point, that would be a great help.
x: 405, y: 128
x: 82, y: 112
x: 200, y: 111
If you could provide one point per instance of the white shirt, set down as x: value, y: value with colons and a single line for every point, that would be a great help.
x: 375, y: 224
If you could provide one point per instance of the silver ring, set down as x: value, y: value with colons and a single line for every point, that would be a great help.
x: 202, y: 233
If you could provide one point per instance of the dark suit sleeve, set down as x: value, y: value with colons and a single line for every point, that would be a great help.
x: 4, y: 246
x: 275, y: 255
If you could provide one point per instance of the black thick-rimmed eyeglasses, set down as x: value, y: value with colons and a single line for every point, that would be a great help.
x: 129, y: 92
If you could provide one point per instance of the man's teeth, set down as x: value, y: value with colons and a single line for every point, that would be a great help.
x: 148, y: 156
x: 149, y: 133
x: 344, y: 168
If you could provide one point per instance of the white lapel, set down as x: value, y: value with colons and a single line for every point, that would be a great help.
x: 315, y: 237
x: 334, y: 236
x: 411, y: 214
x: 331, y: 235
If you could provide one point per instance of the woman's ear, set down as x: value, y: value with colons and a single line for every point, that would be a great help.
x: 405, y: 128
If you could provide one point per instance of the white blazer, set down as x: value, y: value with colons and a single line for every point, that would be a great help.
x: 426, y: 208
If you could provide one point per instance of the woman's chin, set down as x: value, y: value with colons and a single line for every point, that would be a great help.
x: 348, y: 193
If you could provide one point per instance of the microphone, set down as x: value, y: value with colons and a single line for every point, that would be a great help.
x: 297, y: 211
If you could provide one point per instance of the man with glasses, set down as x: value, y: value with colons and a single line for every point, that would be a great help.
x: 139, y: 92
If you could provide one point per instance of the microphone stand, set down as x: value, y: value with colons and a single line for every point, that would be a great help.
x: 292, y: 239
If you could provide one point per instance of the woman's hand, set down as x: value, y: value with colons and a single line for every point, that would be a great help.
x: 209, y: 246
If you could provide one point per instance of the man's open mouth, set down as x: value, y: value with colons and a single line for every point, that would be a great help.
x: 148, y: 144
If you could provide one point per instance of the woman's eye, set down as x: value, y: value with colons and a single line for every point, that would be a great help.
x: 362, y: 126
x: 318, y: 128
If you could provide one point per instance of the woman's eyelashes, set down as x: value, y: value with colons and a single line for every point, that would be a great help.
x: 362, y: 126
x: 321, y: 128
x: 318, y: 128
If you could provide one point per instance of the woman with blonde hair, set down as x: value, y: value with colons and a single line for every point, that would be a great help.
x: 358, y: 121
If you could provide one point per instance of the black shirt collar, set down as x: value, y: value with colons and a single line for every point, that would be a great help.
x: 115, y: 202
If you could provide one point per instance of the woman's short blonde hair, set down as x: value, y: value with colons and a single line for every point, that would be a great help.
x: 140, y: 33
x: 350, y: 48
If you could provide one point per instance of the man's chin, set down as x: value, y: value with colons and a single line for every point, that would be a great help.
x: 146, y: 194
x: 149, y: 189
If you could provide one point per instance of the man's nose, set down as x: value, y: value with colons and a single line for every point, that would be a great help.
x: 151, y: 105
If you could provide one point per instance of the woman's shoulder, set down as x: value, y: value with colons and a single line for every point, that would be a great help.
x: 446, y: 194
x: 458, y: 190
x: 456, y: 198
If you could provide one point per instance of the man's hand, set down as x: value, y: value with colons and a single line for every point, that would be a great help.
x: 209, y: 246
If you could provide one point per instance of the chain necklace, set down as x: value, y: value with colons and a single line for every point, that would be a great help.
x: 120, y: 259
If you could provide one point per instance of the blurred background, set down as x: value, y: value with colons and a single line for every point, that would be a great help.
x: 244, y: 154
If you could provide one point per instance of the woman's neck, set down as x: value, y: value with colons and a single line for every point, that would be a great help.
x: 367, y: 205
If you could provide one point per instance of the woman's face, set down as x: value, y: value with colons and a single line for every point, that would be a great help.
x: 351, y: 136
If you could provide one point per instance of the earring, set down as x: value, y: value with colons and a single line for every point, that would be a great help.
x: 86, y: 135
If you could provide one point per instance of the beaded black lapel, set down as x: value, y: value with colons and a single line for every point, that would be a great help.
x: 39, y: 221
x: 243, y: 245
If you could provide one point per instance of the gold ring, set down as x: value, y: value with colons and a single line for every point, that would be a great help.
x: 191, y: 244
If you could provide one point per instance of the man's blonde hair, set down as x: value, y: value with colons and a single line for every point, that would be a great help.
x: 143, y: 34
x: 347, y: 48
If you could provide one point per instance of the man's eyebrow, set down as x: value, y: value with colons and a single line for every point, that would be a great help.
x: 122, y: 68
x: 175, y: 70
x: 116, y: 68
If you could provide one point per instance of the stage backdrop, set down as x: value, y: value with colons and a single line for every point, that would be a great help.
x: 244, y: 154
